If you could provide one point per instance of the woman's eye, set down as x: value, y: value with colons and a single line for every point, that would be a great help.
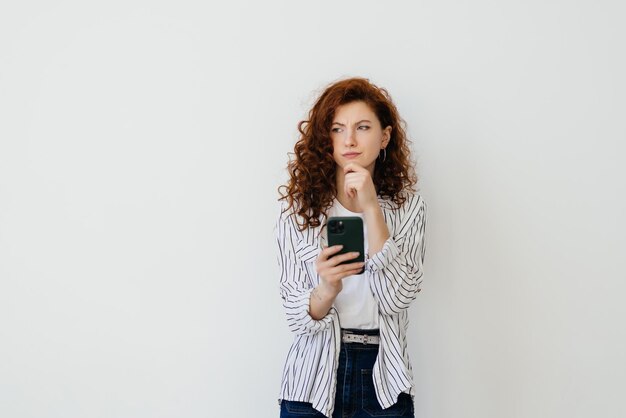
x: 365, y: 127
x: 335, y: 130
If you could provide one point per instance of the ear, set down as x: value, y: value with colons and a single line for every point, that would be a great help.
x: 386, y: 136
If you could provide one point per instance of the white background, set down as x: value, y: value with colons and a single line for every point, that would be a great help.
x: 141, y: 145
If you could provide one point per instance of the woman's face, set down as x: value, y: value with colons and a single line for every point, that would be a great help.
x: 357, y: 135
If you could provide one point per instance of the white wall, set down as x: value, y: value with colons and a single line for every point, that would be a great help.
x: 141, y: 144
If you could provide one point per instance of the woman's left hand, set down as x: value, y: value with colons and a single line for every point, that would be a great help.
x: 358, y: 184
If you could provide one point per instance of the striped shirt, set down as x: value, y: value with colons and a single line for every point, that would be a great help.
x: 310, y: 370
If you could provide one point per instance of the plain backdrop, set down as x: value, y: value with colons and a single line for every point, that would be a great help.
x: 141, y: 146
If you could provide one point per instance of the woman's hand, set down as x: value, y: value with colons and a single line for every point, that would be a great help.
x: 358, y: 184
x: 331, y: 273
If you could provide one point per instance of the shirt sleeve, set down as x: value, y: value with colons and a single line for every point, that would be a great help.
x: 397, y: 269
x: 295, y: 284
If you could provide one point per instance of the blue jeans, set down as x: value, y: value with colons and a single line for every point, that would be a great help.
x: 355, y: 396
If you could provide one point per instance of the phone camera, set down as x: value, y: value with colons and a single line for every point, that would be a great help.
x: 336, y: 227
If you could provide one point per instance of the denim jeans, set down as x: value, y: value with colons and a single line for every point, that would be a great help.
x: 355, y: 396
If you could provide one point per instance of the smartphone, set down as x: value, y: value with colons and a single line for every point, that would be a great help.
x: 347, y: 231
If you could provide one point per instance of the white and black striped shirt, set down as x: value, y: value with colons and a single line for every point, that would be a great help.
x: 396, y: 271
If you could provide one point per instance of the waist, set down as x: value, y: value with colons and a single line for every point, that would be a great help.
x: 360, y: 336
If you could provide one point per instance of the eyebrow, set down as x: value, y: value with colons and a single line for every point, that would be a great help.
x: 341, y: 124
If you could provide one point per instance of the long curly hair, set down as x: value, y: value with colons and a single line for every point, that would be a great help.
x: 311, y: 187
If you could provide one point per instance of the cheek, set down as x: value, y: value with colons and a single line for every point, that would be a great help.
x: 369, y: 141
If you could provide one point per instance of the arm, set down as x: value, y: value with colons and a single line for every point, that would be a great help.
x: 296, y: 285
x: 309, y: 310
x: 397, y: 269
x: 377, y: 231
x: 322, y: 299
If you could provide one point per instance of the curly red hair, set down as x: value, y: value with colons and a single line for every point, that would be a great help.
x: 311, y: 187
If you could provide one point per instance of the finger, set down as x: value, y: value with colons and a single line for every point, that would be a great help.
x: 354, y: 272
x: 327, y: 252
x: 348, y: 189
x: 356, y: 174
x: 334, y: 264
x: 346, y: 270
x: 352, y: 266
x: 338, y: 259
x: 343, y: 268
x: 359, y: 178
x: 354, y: 179
x: 354, y: 182
x: 352, y: 167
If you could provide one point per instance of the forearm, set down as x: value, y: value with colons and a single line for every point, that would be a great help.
x: 377, y: 231
x: 397, y: 270
x: 321, y: 301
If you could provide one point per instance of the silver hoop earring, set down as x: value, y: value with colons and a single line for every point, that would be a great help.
x: 384, y: 154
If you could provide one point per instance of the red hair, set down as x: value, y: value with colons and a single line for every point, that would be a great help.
x: 311, y: 187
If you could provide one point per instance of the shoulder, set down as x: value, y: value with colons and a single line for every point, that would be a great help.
x: 287, y: 217
x: 413, y: 201
x: 284, y: 214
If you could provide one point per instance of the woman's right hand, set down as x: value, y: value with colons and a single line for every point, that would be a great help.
x: 329, y: 270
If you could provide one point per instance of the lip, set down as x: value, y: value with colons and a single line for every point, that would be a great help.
x: 351, y: 154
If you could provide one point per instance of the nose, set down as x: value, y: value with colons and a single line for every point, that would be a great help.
x: 350, y: 139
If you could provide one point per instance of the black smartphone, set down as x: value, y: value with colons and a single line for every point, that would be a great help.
x: 347, y: 231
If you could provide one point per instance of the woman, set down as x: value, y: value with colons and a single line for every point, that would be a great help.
x: 349, y: 355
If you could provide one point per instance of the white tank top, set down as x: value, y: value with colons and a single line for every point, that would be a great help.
x: 355, y: 303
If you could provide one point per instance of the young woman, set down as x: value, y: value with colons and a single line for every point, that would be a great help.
x: 349, y: 355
